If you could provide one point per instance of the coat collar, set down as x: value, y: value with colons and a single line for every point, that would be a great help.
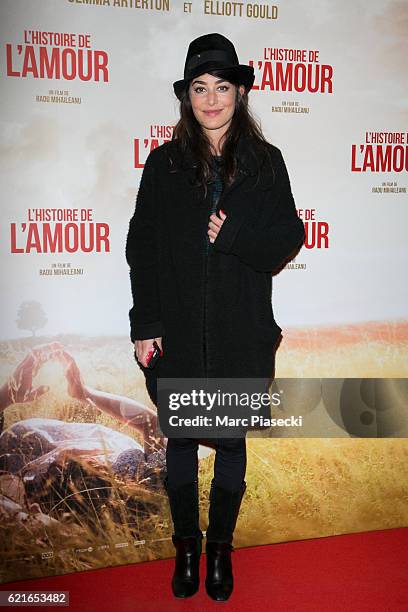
x: 248, y: 155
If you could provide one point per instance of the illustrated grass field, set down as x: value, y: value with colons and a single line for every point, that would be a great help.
x: 85, y: 517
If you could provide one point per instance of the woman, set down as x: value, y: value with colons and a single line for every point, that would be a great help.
x: 214, y: 217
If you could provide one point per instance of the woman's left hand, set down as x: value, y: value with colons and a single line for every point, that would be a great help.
x: 215, y: 224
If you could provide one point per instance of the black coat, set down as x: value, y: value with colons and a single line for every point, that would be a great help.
x: 174, y: 284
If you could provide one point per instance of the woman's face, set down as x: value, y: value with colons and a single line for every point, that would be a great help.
x: 213, y: 103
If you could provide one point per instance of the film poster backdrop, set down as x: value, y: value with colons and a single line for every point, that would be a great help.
x: 86, y: 94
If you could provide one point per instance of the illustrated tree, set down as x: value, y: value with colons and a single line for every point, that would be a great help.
x: 31, y: 316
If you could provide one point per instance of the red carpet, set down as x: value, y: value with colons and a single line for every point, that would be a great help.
x: 353, y: 573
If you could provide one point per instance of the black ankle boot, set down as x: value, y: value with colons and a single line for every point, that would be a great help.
x: 223, y: 515
x: 186, y: 577
x: 187, y: 537
x: 219, y: 582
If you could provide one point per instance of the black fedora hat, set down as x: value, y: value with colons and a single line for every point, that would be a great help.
x: 211, y: 52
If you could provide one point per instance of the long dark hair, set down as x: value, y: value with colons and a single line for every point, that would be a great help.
x: 188, y: 133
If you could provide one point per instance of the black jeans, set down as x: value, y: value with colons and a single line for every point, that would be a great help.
x: 229, y: 466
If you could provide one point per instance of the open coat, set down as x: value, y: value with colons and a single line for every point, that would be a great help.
x: 176, y: 288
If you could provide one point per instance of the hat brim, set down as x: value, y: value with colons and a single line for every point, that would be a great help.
x: 244, y: 73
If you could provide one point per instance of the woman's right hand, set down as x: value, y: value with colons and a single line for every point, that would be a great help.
x: 143, y: 347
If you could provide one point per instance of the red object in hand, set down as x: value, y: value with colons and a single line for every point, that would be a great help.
x: 153, y: 355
